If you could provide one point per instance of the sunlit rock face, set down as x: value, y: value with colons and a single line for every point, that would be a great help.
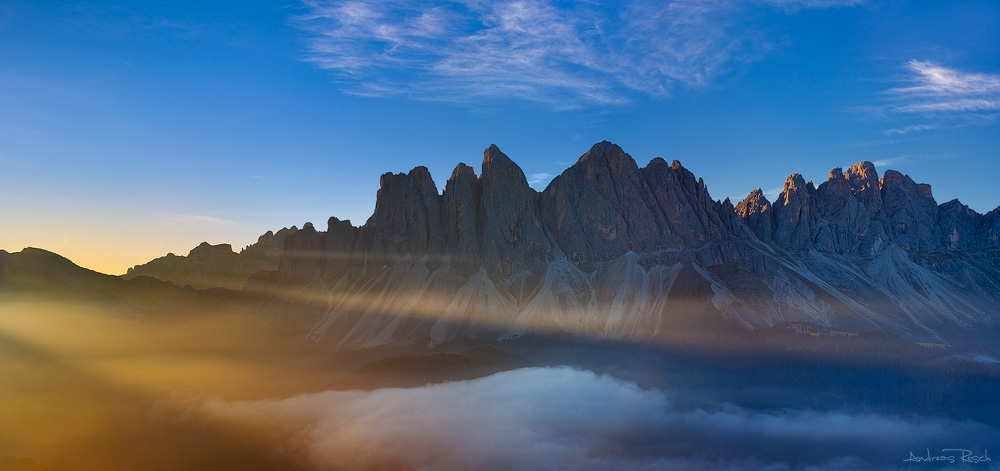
x: 616, y: 250
x: 756, y: 211
x: 795, y: 214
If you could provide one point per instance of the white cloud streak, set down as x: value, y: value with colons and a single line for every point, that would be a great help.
x: 540, y: 179
x: 562, y: 418
x: 196, y: 220
x: 772, y: 193
x: 950, y: 97
x: 911, y: 128
x: 890, y: 161
x: 796, y: 5
x: 937, y: 89
x: 565, y: 55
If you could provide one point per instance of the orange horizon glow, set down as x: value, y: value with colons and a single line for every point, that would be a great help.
x: 116, y: 248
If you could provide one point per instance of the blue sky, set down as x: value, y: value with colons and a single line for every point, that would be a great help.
x: 132, y: 129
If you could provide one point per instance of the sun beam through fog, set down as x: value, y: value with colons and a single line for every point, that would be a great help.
x: 79, y: 384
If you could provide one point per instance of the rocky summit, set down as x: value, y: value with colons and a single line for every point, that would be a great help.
x: 612, y: 249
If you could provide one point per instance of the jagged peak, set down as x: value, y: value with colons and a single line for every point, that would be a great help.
x: 603, y: 147
x: 419, y: 177
x: 657, y: 161
x: 756, y: 198
x: 755, y: 202
x: 495, y: 160
x: 957, y: 206
x: 895, y: 178
x: 419, y: 171
x: 494, y: 156
x: 836, y: 174
x: 334, y: 221
x: 608, y: 152
x: 861, y: 171
x: 465, y: 171
x: 496, y: 164
x: 795, y: 181
x: 205, y: 249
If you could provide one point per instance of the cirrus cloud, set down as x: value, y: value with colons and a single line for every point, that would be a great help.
x: 950, y: 97
x: 563, y: 54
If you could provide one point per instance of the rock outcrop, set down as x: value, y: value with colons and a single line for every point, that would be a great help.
x: 513, y: 235
x: 755, y: 210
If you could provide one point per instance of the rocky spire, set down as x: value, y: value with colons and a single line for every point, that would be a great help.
x: 864, y: 184
x: 407, y: 218
x: 688, y: 214
x: 600, y: 207
x: 513, y: 236
x: 911, y: 213
x: 460, y: 216
x: 847, y: 224
x: 988, y: 231
x: 755, y: 210
x: 958, y: 224
x: 795, y: 214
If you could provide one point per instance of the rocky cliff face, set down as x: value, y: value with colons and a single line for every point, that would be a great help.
x: 613, y: 249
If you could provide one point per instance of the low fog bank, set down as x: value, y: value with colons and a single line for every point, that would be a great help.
x: 88, y: 386
x: 545, y: 418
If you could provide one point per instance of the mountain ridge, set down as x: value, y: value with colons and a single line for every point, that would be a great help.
x: 606, y: 246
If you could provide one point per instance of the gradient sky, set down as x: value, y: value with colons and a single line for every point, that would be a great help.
x: 133, y: 129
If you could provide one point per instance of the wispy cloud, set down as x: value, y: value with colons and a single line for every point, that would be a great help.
x: 772, y: 193
x: 559, y: 53
x: 195, y: 220
x: 939, y: 90
x: 942, y: 97
x: 540, y: 179
x: 911, y: 128
x: 891, y: 161
x: 794, y: 6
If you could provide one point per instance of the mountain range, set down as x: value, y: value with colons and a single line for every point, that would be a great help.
x: 614, y: 250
